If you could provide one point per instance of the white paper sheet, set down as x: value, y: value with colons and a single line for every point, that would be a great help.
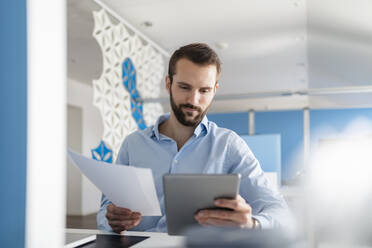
x: 125, y: 186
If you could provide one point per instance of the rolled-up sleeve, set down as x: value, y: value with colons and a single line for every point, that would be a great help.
x: 268, y: 205
x: 102, y: 222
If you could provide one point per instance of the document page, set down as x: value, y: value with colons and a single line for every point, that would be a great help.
x: 125, y: 186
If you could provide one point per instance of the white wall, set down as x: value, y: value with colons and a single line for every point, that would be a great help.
x: 259, y: 104
x: 81, y: 95
x: 74, y: 178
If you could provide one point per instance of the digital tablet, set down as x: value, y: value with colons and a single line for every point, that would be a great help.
x: 78, y: 239
x: 185, y: 194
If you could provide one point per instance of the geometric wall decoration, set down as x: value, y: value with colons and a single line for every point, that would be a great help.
x: 124, y: 52
x: 129, y: 81
x: 102, y: 153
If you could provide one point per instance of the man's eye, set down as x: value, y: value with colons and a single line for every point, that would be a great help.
x: 204, y: 90
x: 184, y: 87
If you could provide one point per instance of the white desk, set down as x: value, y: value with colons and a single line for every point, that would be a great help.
x: 156, y: 239
x: 166, y: 241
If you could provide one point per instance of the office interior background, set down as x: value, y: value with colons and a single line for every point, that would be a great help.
x: 296, y: 75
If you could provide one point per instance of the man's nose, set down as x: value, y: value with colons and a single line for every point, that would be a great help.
x: 193, y: 97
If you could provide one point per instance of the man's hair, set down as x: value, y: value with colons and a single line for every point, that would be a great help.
x: 198, y: 53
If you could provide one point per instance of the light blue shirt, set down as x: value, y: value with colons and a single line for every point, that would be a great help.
x: 210, y: 150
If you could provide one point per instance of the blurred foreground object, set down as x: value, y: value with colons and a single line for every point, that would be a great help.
x: 198, y: 236
x: 339, y: 197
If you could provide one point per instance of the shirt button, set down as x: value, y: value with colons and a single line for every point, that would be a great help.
x: 175, y: 161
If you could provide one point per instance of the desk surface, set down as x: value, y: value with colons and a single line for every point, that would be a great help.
x: 164, y: 240
x: 156, y: 239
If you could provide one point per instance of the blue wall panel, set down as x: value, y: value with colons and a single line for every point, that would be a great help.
x: 289, y: 124
x: 13, y: 106
x: 267, y: 150
x: 327, y: 123
x: 238, y: 122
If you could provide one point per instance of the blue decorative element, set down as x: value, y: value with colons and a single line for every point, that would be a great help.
x: 129, y: 81
x: 102, y: 153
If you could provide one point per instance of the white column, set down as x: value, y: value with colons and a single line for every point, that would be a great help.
x: 311, y: 238
x: 251, y: 122
x: 46, y: 124
x: 306, y: 136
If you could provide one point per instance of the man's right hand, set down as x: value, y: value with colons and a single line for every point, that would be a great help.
x: 121, y: 219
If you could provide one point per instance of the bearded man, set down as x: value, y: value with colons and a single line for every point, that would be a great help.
x: 184, y: 141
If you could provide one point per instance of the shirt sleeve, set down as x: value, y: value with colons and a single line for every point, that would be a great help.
x: 268, y: 205
x: 102, y: 222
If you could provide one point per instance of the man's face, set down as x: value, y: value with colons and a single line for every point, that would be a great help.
x: 192, y: 91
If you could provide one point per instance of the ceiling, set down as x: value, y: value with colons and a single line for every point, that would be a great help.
x: 286, y: 45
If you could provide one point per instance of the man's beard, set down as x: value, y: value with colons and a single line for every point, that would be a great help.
x: 181, y: 116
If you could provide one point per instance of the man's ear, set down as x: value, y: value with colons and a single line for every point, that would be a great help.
x: 167, y: 83
x: 216, y: 87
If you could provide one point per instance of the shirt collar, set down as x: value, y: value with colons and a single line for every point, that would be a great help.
x: 160, y: 120
x: 203, y: 125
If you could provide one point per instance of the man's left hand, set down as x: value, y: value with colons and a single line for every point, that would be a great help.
x: 240, y: 216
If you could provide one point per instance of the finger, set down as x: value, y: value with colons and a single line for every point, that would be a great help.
x: 136, y: 219
x: 234, y: 216
x: 240, y: 198
x: 125, y: 224
x: 117, y: 229
x: 120, y: 229
x: 119, y: 210
x: 218, y: 222
x: 111, y: 216
x: 122, y: 223
x: 200, y: 220
x: 235, y: 204
x: 136, y: 222
x: 136, y: 214
x: 112, y: 208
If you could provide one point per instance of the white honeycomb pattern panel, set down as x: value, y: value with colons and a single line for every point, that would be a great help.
x: 110, y: 95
